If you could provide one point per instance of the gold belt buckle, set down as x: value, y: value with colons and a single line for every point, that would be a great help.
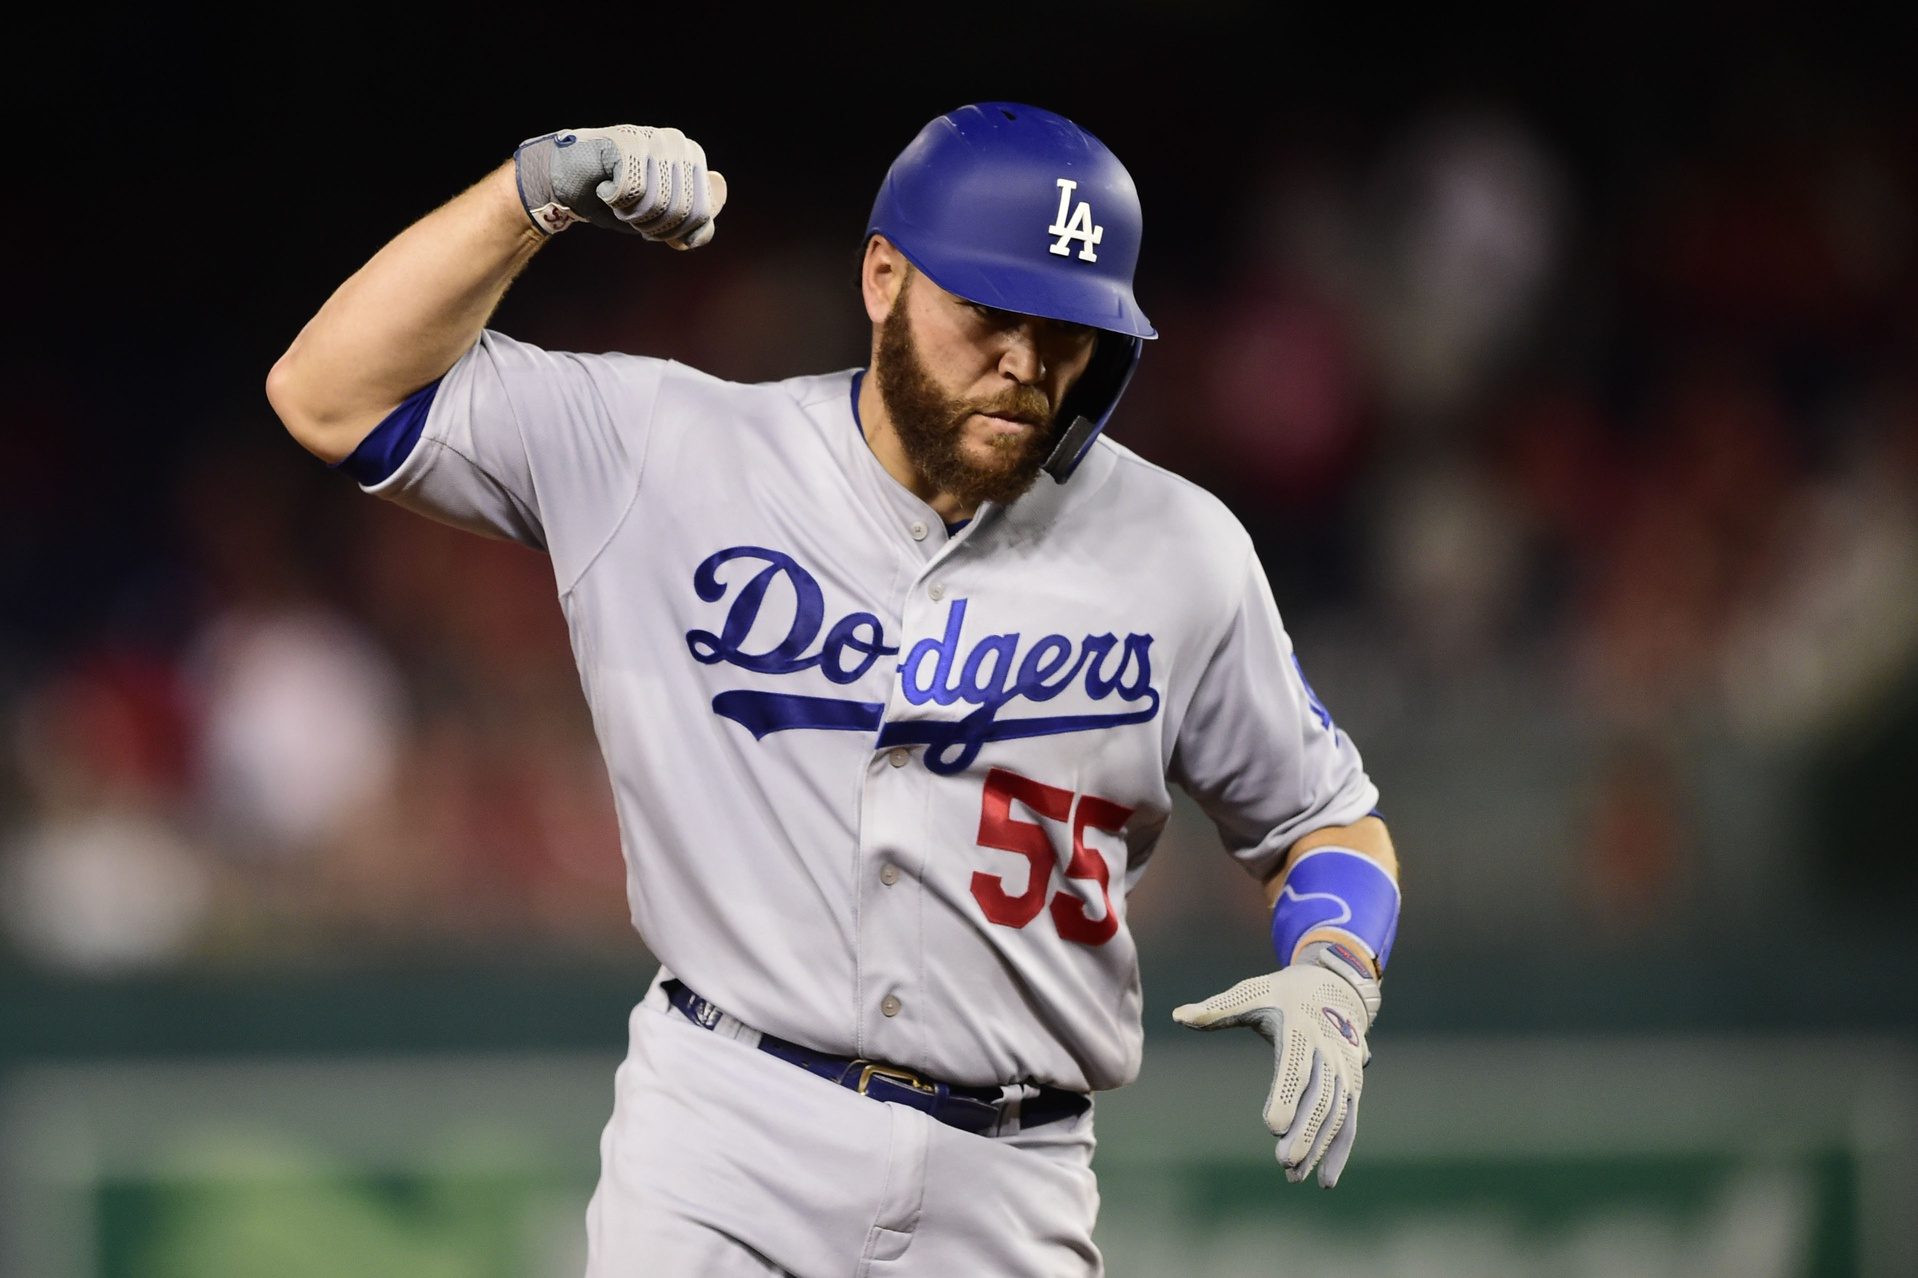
x: 868, y: 1068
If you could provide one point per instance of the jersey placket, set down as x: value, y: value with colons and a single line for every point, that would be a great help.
x: 895, y: 835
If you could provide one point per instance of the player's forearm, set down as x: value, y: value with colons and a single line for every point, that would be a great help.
x: 404, y: 318
x: 1367, y: 835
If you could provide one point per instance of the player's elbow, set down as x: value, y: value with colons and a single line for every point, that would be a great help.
x: 329, y: 436
x: 290, y: 403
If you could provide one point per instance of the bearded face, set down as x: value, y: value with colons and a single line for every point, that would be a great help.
x: 932, y: 423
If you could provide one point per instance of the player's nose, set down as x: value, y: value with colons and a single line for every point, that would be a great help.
x: 1023, y: 357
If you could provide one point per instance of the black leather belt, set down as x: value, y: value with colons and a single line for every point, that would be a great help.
x: 972, y: 1109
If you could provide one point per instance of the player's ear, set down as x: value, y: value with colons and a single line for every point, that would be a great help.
x: 880, y: 276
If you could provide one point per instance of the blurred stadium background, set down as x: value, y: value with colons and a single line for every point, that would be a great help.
x: 1565, y: 373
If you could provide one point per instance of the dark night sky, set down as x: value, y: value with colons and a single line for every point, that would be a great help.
x: 222, y: 176
x: 213, y: 180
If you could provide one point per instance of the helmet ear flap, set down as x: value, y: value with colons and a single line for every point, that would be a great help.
x: 1091, y: 400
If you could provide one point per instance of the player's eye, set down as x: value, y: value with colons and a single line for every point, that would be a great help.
x: 1072, y: 337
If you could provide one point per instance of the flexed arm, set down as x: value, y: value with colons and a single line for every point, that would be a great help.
x: 405, y: 317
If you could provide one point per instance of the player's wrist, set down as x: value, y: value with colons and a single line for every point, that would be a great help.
x: 1350, y: 966
x: 503, y: 187
x: 1335, y: 894
x: 544, y: 211
x: 1360, y: 957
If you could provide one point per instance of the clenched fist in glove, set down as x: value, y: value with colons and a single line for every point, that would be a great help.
x: 644, y: 181
x: 1315, y: 1013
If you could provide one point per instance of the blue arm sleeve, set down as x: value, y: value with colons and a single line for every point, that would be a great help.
x: 1339, y: 889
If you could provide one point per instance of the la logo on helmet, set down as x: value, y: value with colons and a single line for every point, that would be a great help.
x: 1078, y: 227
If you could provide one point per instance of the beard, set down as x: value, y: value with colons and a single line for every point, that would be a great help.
x: 931, y: 424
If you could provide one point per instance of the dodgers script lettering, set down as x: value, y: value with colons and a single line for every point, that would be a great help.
x: 989, y: 673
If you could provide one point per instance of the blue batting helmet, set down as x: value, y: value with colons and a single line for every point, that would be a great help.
x: 1017, y: 208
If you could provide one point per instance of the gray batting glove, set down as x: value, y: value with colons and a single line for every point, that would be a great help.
x: 643, y: 181
x: 1315, y: 1013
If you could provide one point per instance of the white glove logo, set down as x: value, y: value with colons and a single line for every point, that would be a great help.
x: 1339, y: 1023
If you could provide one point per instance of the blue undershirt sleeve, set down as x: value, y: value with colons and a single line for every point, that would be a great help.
x: 390, y: 442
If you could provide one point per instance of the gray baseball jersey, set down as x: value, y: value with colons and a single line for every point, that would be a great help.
x: 884, y: 790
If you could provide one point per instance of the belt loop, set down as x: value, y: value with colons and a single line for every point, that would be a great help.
x: 1012, y: 1102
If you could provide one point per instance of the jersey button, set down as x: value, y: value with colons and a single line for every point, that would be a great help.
x: 918, y: 531
x: 889, y: 875
x: 890, y: 1005
x: 937, y: 592
x: 898, y: 757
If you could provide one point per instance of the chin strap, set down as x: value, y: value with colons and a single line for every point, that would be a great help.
x: 1091, y: 402
x: 1070, y: 448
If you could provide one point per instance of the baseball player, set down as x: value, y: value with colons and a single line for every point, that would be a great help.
x: 892, y: 668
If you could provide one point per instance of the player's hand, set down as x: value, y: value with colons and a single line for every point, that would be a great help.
x: 1315, y: 1014
x: 643, y: 181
